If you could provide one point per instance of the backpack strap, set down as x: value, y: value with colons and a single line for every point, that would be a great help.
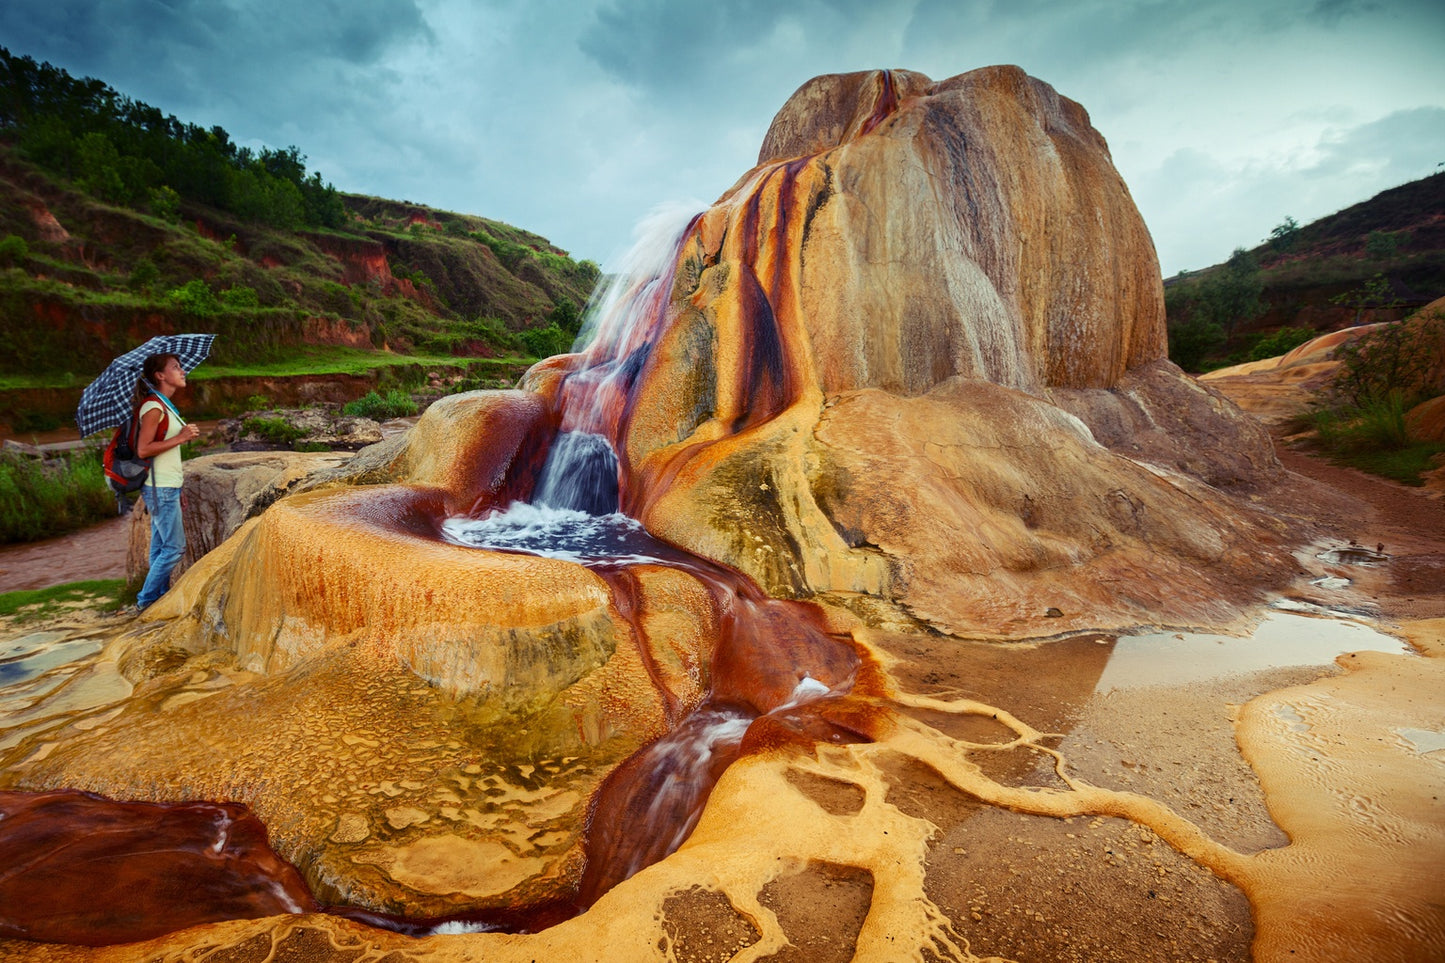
x: 161, y: 427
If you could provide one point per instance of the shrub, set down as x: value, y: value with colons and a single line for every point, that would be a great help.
x: 194, y: 297
x: 545, y: 342
x: 1383, y: 244
x: 1279, y: 342
x: 566, y: 316
x: 1285, y: 234
x: 277, y: 431
x: 144, y: 275
x: 1396, y: 359
x: 1376, y: 424
x: 40, y: 499
x: 165, y: 204
x: 13, y: 249
x: 1191, y: 341
x: 395, y: 404
x: 1373, y: 437
x: 240, y: 296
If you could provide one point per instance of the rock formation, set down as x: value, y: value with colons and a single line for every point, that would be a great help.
x: 910, y: 367
x: 823, y: 403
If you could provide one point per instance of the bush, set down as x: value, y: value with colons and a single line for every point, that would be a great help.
x: 144, y: 275
x: 395, y: 404
x: 165, y: 204
x: 1383, y: 244
x: 1191, y: 341
x: 1279, y: 342
x: 13, y: 249
x: 277, y: 431
x: 194, y: 297
x: 545, y: 342
x: 1394, y: 360
x: 43, y: 499
x: 1373, y: 437
x: 240, y: 296
x: 1377, y: 424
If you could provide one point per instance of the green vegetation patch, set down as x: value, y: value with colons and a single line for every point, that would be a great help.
x: 32, y: 605
x: 1382, y: 375
x: 394, y: 404
x: 277, y: 431
x: 322, y: 360
x: 42, y: 499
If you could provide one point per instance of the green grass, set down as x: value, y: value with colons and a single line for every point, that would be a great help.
x: 1404, y: 465
x: 1373, y: 437
x: 351, y: 361
x: 43, y: 499
x: 278, y: 431
x: 301, y: 361
x: 337, y: 360
x: 34, y: 604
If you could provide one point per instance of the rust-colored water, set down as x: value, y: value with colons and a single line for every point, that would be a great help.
x: 83, y: 869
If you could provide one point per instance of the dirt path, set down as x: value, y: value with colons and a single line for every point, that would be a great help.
x: 97, y: 552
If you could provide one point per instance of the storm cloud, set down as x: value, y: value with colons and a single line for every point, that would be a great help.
x: 573, y: 119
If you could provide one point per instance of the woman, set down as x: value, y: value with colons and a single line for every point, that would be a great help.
x: 161, y: 434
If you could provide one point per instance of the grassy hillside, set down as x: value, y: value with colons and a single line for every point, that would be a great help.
x: 82, y: 279
x: 1377, y: 260
x: 118, y: 222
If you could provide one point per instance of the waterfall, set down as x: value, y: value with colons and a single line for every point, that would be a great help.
x: 618, y: 332
x: 580, y: 475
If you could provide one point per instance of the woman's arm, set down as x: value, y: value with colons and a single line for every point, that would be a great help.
x: 147, y: 445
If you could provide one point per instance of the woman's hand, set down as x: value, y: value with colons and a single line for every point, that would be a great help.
x: 189, y: 432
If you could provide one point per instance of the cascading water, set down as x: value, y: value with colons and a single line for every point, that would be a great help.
x: 573, y: 512
x: 768, y: 657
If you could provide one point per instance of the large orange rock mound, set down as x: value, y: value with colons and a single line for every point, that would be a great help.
x: 940, y: 297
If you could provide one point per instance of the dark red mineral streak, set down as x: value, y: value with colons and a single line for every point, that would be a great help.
x: 79, y: 868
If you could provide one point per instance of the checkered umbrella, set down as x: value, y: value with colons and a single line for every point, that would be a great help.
x: 106, y: 402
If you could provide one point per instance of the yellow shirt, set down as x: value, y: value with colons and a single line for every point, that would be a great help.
x: 166, y: 467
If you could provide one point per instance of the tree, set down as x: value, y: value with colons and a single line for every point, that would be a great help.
x: 1231, y: 293
x: 1285, y: 234
x: 1382, y: 244
x: 1193, y: 340
x: 1374, y: 293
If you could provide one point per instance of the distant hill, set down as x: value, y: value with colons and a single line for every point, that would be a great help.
x: 1374, y: 261
x: 118, y: 222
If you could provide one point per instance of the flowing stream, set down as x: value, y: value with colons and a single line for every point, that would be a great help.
x: 771, y: 658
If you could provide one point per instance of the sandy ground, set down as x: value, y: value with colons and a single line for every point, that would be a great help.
x: 1045, y: 890
x: 1032, y: 888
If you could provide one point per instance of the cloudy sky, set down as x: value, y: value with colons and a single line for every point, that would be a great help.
x: 574, y: 118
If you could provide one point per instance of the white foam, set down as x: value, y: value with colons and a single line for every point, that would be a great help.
x: 561, y: 533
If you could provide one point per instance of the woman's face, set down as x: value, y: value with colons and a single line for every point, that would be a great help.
x: 172, y: 374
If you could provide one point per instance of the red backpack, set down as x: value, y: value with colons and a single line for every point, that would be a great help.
x: 125, y: 470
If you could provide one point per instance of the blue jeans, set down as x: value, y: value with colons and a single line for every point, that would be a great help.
x: 168, y: 541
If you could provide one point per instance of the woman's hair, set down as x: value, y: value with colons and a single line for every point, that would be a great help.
x: 145, y: 384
